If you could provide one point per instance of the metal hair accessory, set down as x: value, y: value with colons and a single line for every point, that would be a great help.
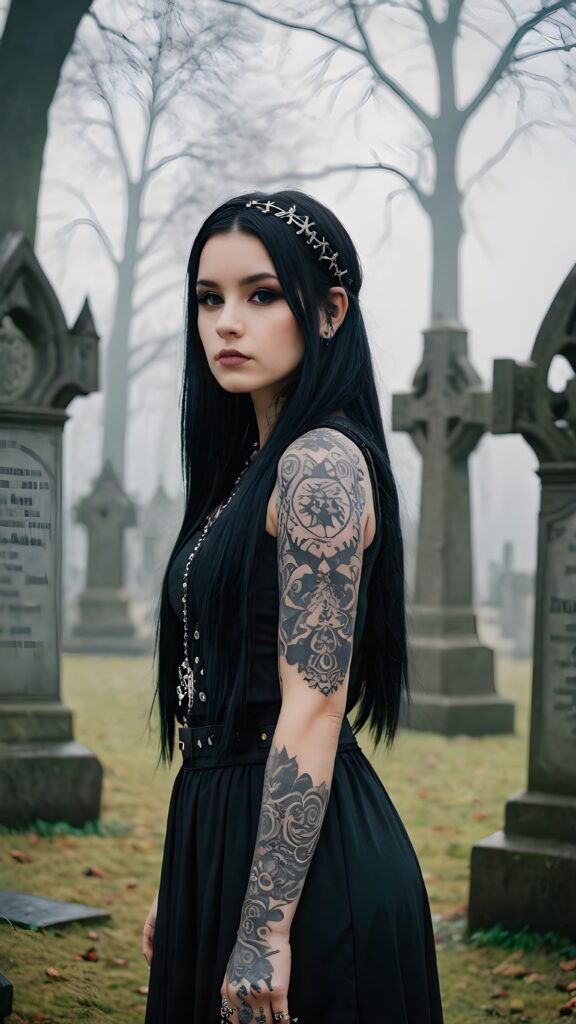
x: 304, y: 225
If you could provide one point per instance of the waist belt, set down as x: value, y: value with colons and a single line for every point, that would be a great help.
x: 201, y: 745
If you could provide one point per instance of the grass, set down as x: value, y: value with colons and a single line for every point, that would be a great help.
x: 449, y: 792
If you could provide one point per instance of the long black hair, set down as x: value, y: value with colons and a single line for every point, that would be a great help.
x: 217, y: 431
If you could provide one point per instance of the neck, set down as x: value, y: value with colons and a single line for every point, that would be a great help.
x: 266, y: 411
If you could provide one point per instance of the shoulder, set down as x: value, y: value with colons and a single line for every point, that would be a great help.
x: 323, y: 483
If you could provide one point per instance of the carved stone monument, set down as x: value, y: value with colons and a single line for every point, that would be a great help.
x: 160, y: 521
x: 44, y: 773
x: 104, y: 623
x: 526, y: 874
x: 452, y: 673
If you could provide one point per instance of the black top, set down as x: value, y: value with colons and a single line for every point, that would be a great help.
x: 264, y: 692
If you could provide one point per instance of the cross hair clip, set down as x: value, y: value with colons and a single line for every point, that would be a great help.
x: 304, y: 226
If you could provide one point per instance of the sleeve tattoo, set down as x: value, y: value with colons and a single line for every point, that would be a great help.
x: 321, y: 500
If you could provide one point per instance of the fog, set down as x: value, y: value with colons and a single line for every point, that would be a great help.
x: 519, y: 246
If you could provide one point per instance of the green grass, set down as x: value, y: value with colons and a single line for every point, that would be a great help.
x: 449, y: 792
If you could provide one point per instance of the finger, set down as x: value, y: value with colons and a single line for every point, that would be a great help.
x: 280, y: 1011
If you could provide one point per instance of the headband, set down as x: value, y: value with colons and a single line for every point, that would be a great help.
x: 304, y: 225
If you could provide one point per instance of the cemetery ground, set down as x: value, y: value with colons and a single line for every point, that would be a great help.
x: 450, y: 793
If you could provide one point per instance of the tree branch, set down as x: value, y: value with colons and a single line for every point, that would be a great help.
x: 422, y: 196
x: 360, y: 51
x: 498, y: 156
x: 507, y: 54
x: 67, y: 229
x: 161, y: 345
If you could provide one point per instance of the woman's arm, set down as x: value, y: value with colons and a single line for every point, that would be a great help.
x: 322, y: 504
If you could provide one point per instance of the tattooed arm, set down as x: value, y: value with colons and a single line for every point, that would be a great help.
x: 322, y: 490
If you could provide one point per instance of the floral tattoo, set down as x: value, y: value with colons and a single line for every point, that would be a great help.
x: 291, y: 816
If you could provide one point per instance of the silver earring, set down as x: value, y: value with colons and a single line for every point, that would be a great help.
x: 327, y: 338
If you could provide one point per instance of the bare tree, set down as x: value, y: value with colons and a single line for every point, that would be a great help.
x: 169, y: 70
x: 536, y: 55
x: 36, y: 39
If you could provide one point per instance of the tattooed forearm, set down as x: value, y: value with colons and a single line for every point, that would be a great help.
x: 291, y: 817
x: 321, y: 500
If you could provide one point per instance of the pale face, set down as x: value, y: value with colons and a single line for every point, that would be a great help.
x: 241, y: 306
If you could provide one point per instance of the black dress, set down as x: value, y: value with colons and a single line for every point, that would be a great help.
x: 362, y: 943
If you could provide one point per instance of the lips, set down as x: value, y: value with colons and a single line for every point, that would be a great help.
x: 230, y: 356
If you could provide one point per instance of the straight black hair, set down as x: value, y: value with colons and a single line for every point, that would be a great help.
x: 217, y: 431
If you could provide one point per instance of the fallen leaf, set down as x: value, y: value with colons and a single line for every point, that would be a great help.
x: 132, y: 883
x: 118, y: 961
x: 21, y: 856
x: 509, y: 970
x: 424, y: 794
x: 91, y: 954
x: 500, y: 995
x: 97, y: 872
x: 32, y: 838
x: 479, y: 815
x: 535, y: 976
x: 53, y: 972
x: 516, y: 1005
x: 92, y: 935
x: 142, y: 990
x: 571, y: 987
x: 568, y: 965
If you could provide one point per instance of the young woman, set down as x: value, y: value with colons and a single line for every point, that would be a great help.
x: 289, y: 888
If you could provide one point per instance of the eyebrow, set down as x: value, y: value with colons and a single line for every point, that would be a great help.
x: 245, y: 280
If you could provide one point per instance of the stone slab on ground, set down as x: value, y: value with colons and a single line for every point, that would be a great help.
x: 30, y: 911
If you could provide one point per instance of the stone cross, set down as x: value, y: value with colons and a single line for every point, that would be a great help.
x: 104, y: 624
x: 452, y: 673
x: 43, y: 366
x: 526, y: 874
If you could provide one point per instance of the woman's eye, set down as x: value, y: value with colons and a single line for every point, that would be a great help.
x: 203, y: 299
x: 269, y: 296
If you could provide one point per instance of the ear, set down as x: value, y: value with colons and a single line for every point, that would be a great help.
x: 335, y: 310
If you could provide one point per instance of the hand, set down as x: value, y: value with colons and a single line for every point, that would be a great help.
x: 256, y: 982
x: 148, y: 933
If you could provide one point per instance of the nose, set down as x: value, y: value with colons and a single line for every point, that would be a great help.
x: 228, y: 322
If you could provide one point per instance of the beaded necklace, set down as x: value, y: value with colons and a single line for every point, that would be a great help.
x: 186, y: 688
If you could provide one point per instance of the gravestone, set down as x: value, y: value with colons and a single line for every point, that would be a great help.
x: 517, y: 612
x: 452, y: 673
x: 104, y: 624
x: 526, y: 874
x: 496, y: 570
x: 159, y: 524
x: 43, y: 366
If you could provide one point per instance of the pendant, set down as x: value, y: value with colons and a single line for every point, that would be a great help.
x: 186, y: 684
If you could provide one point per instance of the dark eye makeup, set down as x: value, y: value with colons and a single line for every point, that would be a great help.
x: 270, y: 296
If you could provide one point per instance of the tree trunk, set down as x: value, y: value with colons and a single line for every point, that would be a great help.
x: 36, y: 40
x: 118, y: 351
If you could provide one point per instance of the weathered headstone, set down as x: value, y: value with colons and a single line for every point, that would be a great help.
x: 496, y: 570
x: 517, y: 612
x: 526, y: 874
x: 452, y: 673
x: 159, y: 524
x: 104, y: 624
x: 44, y: 773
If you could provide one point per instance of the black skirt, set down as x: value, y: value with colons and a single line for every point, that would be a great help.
x: 362, y: 942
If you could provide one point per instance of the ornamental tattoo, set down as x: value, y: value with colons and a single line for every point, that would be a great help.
x: 291, y: 817
x: 321, y: 499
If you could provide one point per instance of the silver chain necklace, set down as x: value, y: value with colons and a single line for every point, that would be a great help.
x: 186, y: 688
